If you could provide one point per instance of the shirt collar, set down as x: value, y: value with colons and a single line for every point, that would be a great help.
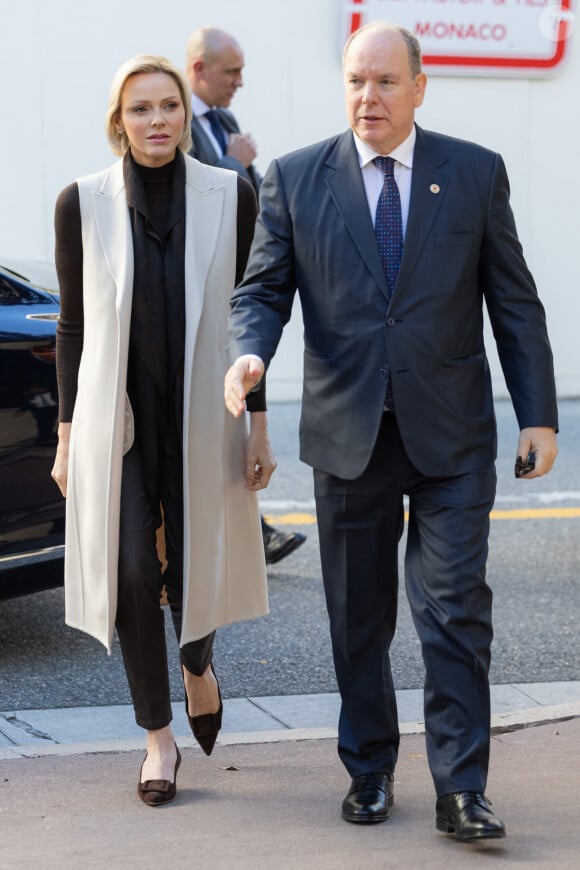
x: 198, y: 106
x: 403, y: 153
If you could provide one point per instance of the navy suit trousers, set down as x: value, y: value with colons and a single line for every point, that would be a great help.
x: 360, y: 525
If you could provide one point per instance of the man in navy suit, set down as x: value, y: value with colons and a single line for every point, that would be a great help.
x: 214, y: 65
x: 397, y: 400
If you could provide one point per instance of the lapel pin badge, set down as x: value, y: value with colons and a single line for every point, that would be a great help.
x: 434, y: 188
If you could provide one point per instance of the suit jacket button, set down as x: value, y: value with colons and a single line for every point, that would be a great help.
x: 391, y: 321
x: 382, y: 373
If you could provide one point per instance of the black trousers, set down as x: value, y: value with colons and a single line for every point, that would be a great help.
x: 360, y: 524
x: 140, y: 621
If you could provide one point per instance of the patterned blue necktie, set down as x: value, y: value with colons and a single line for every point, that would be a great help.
x: 216, y: 128
x: 389, y: 222
x: 389, y: 235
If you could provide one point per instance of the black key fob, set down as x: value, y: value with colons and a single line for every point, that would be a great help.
x: 522, y: 468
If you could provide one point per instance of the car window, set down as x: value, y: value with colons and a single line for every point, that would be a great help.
x: 14, y: 293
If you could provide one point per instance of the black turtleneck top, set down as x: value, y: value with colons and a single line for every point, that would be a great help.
x: 156, y: 185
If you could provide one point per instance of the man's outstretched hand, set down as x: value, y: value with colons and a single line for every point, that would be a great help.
x: 241, y: 377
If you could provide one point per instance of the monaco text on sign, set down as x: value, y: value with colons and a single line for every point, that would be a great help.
x: 478, y: 37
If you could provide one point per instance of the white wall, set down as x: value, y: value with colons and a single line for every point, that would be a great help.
x: 58, y: 58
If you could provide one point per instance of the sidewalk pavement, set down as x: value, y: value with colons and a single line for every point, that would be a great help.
x: 269, y: 797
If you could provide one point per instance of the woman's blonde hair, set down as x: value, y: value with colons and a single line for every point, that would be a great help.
x: 144, y: 63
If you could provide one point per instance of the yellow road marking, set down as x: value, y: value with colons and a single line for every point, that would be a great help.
x: 558, y: 513
x: 292, y: 519
x: 536, y: 513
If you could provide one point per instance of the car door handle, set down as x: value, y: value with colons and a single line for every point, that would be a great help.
x: 42, y: 316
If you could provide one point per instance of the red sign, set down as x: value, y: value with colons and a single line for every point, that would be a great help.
x: 478, y: 37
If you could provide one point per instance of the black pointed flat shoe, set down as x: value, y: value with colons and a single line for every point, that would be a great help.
x: 205, y: 728
x: 155, y: 792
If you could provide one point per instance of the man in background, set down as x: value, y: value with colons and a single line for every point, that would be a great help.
x: 214, y: 68
x: 214, y: 64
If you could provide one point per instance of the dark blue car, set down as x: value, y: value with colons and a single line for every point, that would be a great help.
x: 31, y: 506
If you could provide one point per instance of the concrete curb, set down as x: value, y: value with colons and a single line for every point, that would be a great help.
x: 500, y: 723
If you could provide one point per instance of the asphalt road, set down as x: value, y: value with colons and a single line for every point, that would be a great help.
x: 533, y: 569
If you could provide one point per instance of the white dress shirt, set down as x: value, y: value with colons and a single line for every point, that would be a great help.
x: 373, y: 177
x: 199, y: 109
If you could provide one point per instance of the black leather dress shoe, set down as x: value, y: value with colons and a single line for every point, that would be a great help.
x: 369, y: 799
x: 278, y: 545
x: 468, y: 815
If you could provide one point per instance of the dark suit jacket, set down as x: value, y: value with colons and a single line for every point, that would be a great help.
x: 315, y: 232
x: 205, y: 152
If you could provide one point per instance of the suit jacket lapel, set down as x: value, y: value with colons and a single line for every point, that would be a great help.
x: 347, y: 190
x: 203, y: 148
x: 428, y: 186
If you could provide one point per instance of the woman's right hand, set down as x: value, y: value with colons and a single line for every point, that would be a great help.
x: 59, y: 471
x: 260, y: 462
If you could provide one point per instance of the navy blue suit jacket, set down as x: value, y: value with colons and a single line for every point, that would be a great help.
x: 315, y: 233
x: 205, y: 152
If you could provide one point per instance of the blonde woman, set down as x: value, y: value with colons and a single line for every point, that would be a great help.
x: 148, y: 252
